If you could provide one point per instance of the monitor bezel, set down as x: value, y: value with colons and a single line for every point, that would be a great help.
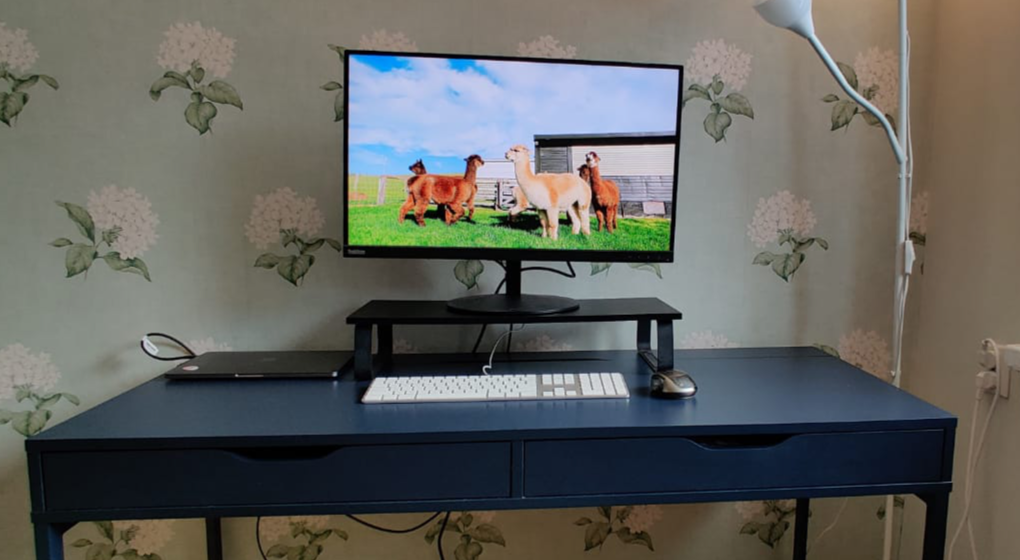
x: 492, y: 253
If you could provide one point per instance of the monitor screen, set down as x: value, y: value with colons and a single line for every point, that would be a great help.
x: 450, y: 156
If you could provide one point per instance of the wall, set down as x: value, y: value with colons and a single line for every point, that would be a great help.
x: 970, y: 290
x: 185, y: 220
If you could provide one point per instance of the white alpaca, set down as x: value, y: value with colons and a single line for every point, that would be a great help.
x: 551, y: 192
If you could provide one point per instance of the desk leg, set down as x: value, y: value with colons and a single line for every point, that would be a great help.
x: 800, y: 529
x: 213, y: 539
x: 49, y: 540
x: 936, y: 517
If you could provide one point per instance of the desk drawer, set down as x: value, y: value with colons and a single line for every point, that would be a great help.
x: 197, y: 477
x: 649, y: 465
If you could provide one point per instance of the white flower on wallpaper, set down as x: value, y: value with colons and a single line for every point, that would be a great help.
x: 128, y: 216
x: 188, y: 53
x: 546, y: 46
x: 642, y: 518
x: 874, y: 75
x: 786, y: 220
x: 714, y: 68
x: 17, y: 55
x: 404, y: 346
x: 275, y: 528
x: 706, y: 339
x: 145, y: 536
x: 284, y: 217
x: 27, y: 377
x: 382, y: 40
x: 878, y: 72
x: 630, y: 525
x: 919, y: 217
x: 120, y: 219
x: 768, y: 520
x: 190, y: 43
x: 203, y: 345
x: 713, y: 60
x: 16, y: 51
x: 542, y: 343
x: 868, y: 351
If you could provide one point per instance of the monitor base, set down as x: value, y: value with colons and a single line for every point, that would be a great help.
x: 523, y: 304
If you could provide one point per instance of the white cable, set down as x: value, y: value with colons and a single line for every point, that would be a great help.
x: 831, y: 525
x: 511, y: 330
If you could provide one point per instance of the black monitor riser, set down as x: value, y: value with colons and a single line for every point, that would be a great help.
x: 513, y: 302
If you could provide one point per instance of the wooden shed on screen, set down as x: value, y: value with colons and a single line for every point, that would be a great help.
x: 642, y: 164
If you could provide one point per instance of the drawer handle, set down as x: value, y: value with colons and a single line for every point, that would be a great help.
x: 277, y: 454
x: 739, y: 442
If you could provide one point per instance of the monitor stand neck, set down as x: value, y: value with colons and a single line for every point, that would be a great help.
x: 513, y: 302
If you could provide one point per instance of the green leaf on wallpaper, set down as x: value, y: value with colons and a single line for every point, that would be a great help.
x: 6, y: 416
x: 294, y: 268
x: 433, y: 531
x: 288, y: 236
x: 466, y: 520
x: 799, y: 245
x: 787, y: 264
x: 486, y: 533
x: 133, y: 265
x: 267, y: 260
x: 331, y: 86
x: 81, y: 543
x: 583, y: 521
x: 599, y: 267
x: 842, y: 113
x: 750, y: 528
x: 338, y: 108
x: 30, y: 422
x: 717, y: 85
x: 71, y: 398
x: 918, y: 238
x: 25, y: 83
x: 830, y: 98
x: 277, y: 551
x: 827, y: 349
x: 716, y: 125
x: 648, y: 267
x: 50, y: 81
x: 848, y: 73
x: 606, y: 511
x: 196, y: 97
x: 822, y: 243
x: 79, y: 258
x: 467, y: 551
x: 60, y: 242
x: 48, y: 401
x: 105, y: 529
x: 312, y: 246
x: 774, y: 533
x: 319, y: 537
x: 23, y: 393
x: 81, y: 218
x: 11, y: 105
x: 199, y: 115
x: 336, y: 48
x: 167, y: 81
x: 737, y: 104
x: 595, y: 534
x: 696, y: 92
x: 785, y: 236
x: 870, y: 92
x: 341, y: 533
x: 197, y: 72
x: 467, y: 272
x: 334, y: 244
x: 221, y: 92
x: 641, y: 537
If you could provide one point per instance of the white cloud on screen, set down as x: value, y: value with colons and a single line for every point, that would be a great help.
x: 432, y: 109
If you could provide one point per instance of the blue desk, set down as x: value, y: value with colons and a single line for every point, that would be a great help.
x: 766, y: 424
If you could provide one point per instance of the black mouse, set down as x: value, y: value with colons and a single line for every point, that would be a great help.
x: 673, y: 384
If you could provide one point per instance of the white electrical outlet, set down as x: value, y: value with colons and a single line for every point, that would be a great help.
x: 1009, y: 362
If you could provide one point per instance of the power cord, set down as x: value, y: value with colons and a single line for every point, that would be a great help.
x: 510, y: 331
x: 151, y: 350
x: 832, y: 525
x: 442, y: 529
x: 974, y: 451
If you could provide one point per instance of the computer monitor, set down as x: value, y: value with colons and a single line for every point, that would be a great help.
x: 510, y: 159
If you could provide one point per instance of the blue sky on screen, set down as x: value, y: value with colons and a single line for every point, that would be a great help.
x: 443, y: 110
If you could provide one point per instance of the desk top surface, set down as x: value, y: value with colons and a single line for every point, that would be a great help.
x: 741, y: 391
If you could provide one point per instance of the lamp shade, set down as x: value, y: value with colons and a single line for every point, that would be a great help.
x: 794, y: 15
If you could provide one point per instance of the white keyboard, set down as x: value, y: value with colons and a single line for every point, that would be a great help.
x: 482, y: 388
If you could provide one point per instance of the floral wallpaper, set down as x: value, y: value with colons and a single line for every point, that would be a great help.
x: 227, y: 228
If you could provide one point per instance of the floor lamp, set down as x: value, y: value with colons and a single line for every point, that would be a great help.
x: 795, y: 15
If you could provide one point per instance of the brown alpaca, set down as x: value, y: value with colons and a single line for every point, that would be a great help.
x: 418, y: 168
x: 454, y: 192
x: 605, y: 194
